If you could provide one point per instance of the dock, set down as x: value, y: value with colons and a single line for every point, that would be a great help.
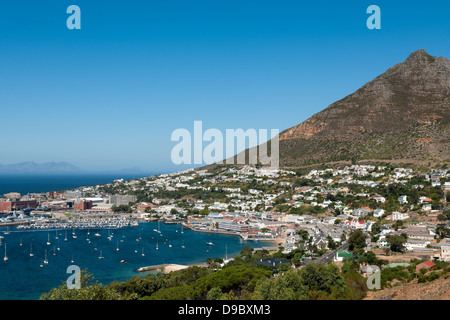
x: 13, y: 223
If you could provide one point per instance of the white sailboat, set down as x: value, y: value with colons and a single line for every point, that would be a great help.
x: 45, y: 260
x: 65, y: 239
x: 31, y: 250
x: 226, y: 254
x: 48, y: 241
x: 7, y: 231
x: 143, y: 251
x: 56, y: 235
x: 117, y: 249
x: 183, y: 244
x: 6, y: 257
x: 100, y: 256
x: 157, y: 245
x: 20, y: 241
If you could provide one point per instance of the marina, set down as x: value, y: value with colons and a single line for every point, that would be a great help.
x: 33, y: 267
x: 87, y: 223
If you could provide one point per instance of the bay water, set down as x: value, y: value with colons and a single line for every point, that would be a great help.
x: 23, y: 278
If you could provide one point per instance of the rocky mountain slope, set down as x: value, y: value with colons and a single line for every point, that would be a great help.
x: 402, y: 114
x: 436, y: 290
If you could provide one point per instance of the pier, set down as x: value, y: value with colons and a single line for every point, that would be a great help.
x: 13, y: 223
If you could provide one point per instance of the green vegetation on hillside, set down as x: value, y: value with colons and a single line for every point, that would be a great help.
x: 242, y: 278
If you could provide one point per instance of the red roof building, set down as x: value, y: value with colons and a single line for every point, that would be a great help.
x: 426, y: 264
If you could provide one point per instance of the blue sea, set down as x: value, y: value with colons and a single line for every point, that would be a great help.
x: 25, y: 183
x: 22, y: 277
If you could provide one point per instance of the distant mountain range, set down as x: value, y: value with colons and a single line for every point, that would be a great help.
x: 31, y: 167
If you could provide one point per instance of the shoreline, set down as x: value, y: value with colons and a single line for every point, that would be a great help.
x: 278, y: 240
x: 173, y: 267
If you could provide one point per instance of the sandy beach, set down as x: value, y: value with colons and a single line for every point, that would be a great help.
x: 167, y: 268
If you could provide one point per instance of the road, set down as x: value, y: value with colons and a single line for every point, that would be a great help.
x: 330, y: 254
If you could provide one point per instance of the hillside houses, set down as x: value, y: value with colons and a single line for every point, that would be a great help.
x: 269, y: 204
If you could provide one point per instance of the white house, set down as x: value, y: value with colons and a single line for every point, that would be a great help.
x: 214, y: 215
x: 445, y: 253
x: 382, y: 242
x: 378, y: 213
x: 403, y: 199
x: 378, y: 198
x: 424, y: 199
x: 399, y: 216
x: 355, y: 224
x: 416, y: 244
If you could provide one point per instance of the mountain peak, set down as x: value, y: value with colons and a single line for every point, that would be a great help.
x: 420, y: 55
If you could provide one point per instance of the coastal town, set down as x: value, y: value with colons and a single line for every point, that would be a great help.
x: 402, y: 212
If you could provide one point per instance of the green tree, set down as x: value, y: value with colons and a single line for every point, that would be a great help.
x: 123, y: 208
x: 284, y: 287
x: 90, y: 289
x: 236, y: 278
x: 442, y: 230
x: 185, y: 292
x: 356, y: 241
x: 214, y: 294
x: 396, y: 242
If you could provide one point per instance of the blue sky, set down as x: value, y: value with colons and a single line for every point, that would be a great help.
x: 109, y: 96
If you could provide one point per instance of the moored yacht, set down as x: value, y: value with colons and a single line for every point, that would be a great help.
x: 6, y: 257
